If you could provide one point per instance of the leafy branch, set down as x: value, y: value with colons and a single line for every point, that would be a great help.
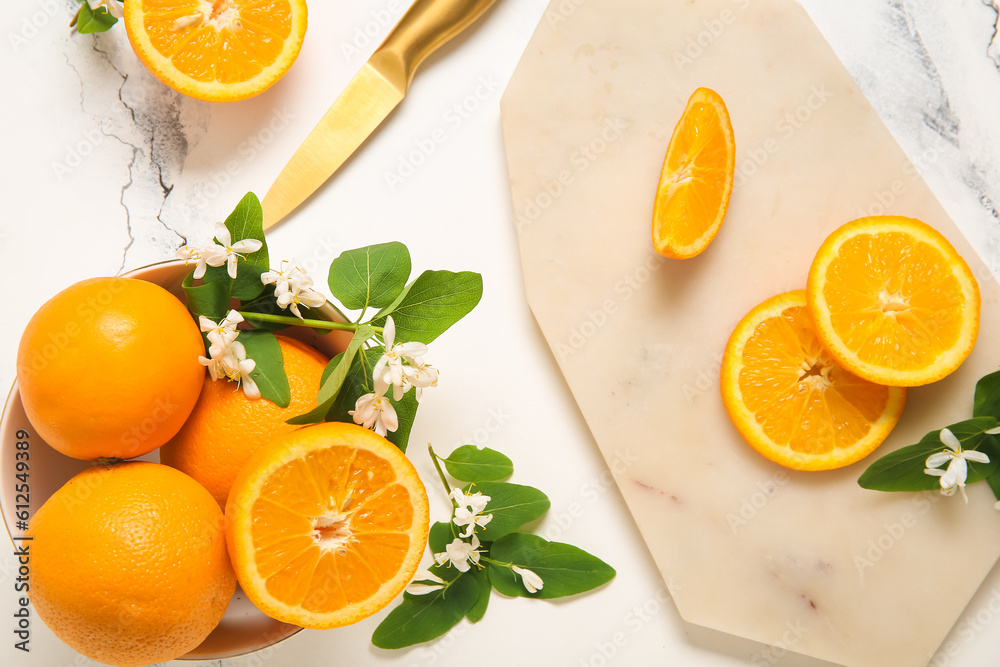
x: 488, y: 554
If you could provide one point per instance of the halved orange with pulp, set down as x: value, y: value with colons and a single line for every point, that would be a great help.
x: 216, y: 50
x: 791, y: 400
x: 696, y: 179
x: 893, y: 301
x: 326, y: 525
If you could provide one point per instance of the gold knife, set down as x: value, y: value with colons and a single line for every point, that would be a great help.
x: 370, y: 96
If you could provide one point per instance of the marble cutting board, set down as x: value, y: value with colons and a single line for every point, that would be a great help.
x: 808, y: 562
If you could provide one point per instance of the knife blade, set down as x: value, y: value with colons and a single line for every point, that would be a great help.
x: 368, y: 99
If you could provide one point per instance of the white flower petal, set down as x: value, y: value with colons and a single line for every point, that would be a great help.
x: 530, y: 579
x: 949, y: 439
x: 389, y: 332
x: 222, y: 234
x: 247, y: 246
x: 937, y: 460
x: 975, y: 455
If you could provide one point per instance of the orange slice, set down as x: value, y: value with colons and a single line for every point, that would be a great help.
x: 696, y: 179
x: 893, y: 301
x: 326, y: 525
x: 791, y: 401
x: 216, y: 50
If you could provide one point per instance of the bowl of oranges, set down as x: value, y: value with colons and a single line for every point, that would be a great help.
x: 117, y: 453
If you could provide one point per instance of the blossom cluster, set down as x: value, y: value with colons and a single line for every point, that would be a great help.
x: 463, y: 552
x: 292, y: 286
x: 400, y: 367
x: 953, y: 478
x: 227, y: 357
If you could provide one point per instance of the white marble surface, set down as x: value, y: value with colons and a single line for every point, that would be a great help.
x: 103, y: 169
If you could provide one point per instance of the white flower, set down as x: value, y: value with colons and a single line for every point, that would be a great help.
x: 424, y: 581
x: 190, y: 253
x: 238, y: 369
x: 390, y: 364
x: 228, y: 252
x: 463, y: 517
x: 530, y: 580
x: 469, y: 511
x: 996, y: 505
x: 474, y: 501
x: 227, y: 357
x: 460, y: 553
x: 374, y: 411
x: 114, y: 7
x: 221, y: 335
x: 287, y: 278
x: 957, y: 459
x: 299, y: 295
x: 420, y: 375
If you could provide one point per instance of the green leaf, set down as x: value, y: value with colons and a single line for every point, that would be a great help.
x: 209, y: 299
x: 987, y: 398
x: 421, y: 618
x: 370, y: 277
x: 512, y: 506
x: 471, y: 464
x: 994, y: 482
x: 435, y: 301
x: 903, y: 469
x: 269, y: 371
x: 247, y: 222
x: 564, y: 569
x: 333, y: 378
x: 406, y: 412
x: 482, y: 580
x: 93, y: 20
x: 440, y: 536
x: 358, y: 382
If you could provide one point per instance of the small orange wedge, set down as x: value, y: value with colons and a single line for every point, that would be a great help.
x: 326, y: 525
x: 893, y: 301
x: 791, y: 401
x: 216, y: 50
x: 697, y: 178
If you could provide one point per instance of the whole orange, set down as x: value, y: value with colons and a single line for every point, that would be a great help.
x: 108, y: 368
x: 129, y: 563
x: 226, y: 428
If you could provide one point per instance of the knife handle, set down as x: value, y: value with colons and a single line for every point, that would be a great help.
x: 425, y: 26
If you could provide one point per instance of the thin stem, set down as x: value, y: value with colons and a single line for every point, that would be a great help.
x: 294, y: 321
x: 435, y: 458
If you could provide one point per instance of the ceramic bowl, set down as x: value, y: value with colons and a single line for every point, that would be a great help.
x: 244, y: 629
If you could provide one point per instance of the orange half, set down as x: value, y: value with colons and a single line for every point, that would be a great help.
x: 216, y: 50
x: 326, y: 525
x: 791, y: 400
x: 697, y: 178
x: 893, y: 301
